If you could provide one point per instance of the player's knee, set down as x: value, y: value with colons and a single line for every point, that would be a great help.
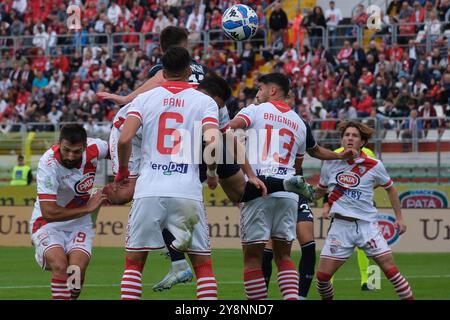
x: 198, y: 260
x: 59, y: 268
x: 305, y: 232
x: 253, y: 260
x: 79, y: 265
x: 322, y: 276
x: 283, y: 261
x: 135, y: 261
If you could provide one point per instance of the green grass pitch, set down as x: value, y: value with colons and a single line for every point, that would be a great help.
x: 21, y: 278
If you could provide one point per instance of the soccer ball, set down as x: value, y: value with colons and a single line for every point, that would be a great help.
x: 239, y: 22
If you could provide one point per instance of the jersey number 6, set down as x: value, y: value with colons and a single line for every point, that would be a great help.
x: 163, y: 131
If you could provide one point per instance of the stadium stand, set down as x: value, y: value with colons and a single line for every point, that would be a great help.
x: 397, y: 78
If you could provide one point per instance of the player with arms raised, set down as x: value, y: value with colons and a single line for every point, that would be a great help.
x: 168, y: 194
x: 260, y: 218
x: 230, y: 175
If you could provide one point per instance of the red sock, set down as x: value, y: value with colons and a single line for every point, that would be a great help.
x: 288, y: 280
x: 255, y: 285
x: 401, y: 285
x: 60, y: 291
x: 324, y: 286
x: 75, y: 293
x: 131, y: 285
x: 206, y: 282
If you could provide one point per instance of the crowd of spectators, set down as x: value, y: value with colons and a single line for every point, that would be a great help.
x: 49, y: 81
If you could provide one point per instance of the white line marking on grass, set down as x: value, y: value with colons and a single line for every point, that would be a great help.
x: 433, y: 276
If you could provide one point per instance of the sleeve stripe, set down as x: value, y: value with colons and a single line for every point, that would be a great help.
x: 389, y: 184
x: 210, y: 120
x: 49, y: 197
x: 315, y: 146
x: 245, y: 118
x: 322, y: 186
x: 300, y: 155
x: 225, y: 129
x: 135, y: 114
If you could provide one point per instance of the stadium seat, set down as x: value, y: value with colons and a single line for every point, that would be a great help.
x: 391, y: 135
x: 446, y: 135
x: 432, y: 135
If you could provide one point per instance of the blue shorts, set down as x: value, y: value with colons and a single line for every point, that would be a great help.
x: 224, y: 170
x: 304, y: 211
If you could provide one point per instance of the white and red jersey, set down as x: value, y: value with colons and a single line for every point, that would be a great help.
x: 281, y: 137
x: 119, y: 120
x: 70, y: 188
x: 172, y: 117
x: 350, y: 185
x: 224, y: 119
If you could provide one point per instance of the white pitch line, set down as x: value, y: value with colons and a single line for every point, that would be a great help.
x: 220, y: 283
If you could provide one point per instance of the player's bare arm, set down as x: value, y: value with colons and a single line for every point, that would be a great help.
x: 211, y: 134
x: 129, y: 130
x: 325, y: 154
x: 395, y: 202
x: 298, y: 164
x: 52, y: 212
x: 236, y: 124
x: 151, y: 83
x: 320, y: 192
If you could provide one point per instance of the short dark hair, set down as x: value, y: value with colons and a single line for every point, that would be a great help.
x: 74, y: 133
x: 20, y: 157
x: 215, y: 86
x: 279, y: 79
x: 176, y: 60
x: 172, y: 36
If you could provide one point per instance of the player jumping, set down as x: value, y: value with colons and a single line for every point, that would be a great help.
x: 61, y: 225
x: 175, y: 196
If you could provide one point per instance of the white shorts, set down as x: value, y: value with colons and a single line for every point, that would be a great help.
x: 344, y: 236
x: 135, y: 157
x: 49, y: 237
x: 184, y: 218
x: 265, y: 218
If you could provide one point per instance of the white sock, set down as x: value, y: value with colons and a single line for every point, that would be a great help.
x: 180, y: 265
x: 286, y: 185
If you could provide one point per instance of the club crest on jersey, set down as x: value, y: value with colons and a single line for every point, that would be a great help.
x: 347, y: 179
x: 335, y: 244
x: 86, y: 183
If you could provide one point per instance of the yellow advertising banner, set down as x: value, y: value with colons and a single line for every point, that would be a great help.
x: 428, y: 230
x: 412, y: 196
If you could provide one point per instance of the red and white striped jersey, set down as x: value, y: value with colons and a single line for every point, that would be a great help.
x: 70, y: 188
x: 279, y: 136
x: 350, y: 185
x: 172, y: 117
